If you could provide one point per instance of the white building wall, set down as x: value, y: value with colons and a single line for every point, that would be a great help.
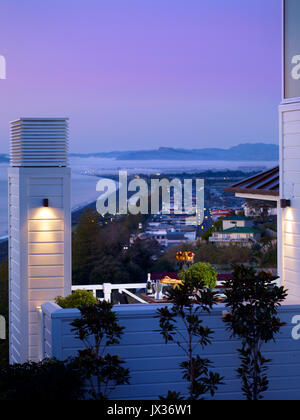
x: 17, y: 322
x: 289, y: 218
x: 228, y: 224
x: 39, y: 251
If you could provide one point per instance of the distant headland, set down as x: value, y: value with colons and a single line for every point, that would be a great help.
x: 242, y: 152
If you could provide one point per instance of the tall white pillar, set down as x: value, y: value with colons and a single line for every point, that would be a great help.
x: 289, y: 228
x: 39, y: 236
x: 289, y: 123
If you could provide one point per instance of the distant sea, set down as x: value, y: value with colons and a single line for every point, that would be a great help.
x: 104, y: 166
x: 86, y: 171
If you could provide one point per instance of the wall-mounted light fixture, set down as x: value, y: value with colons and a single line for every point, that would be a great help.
x: 45, y: 202
x: 285, y: 203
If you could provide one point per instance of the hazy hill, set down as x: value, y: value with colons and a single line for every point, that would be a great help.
x: 248, y: 151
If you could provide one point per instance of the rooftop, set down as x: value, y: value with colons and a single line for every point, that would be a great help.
x: 237, y: 218
x: 265, y: 183
x: 239, y: 230
x: 175, y: 236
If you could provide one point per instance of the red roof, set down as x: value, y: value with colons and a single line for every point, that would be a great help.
x: 225, y: 276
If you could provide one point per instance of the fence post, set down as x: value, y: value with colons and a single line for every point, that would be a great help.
x: 2, y: 328
x: 40, y: 318
x: 107, y: 291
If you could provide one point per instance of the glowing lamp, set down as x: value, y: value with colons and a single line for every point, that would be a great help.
x: 285, y: 203
x: 189, y: 256
x: 180, y: 256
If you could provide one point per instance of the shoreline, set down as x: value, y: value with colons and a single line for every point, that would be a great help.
x: 79, y: 208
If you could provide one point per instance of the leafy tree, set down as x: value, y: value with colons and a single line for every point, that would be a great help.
x: 207, y: 234
x: 98, y: 250
x: 86, y: 246
x: 253, y: 300
x: 136, y: 274
x: 270, y: 257
x: 76, y: 299
x: 164, y: 264
x: 219, y: 223
x: 116, y: 234
x: 49, y: 380
x: 207, y: 252
x: 265, y: 256
x: 188, y: 301
x: 142, y: 253
x: 113, y: 238
x: 222, y: 255
x: 131, y: 222
x: 109, y: 270
x: 99, y: 328
x: 171, y: 396
x: 201, y: 272
x: 261, y: 207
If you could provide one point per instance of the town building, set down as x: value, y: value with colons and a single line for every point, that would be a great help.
x: 218, y: 213
x: 237, y: 221
x: 237, y: 230
x: 254, y: 211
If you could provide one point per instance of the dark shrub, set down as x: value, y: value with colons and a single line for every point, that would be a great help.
x: 49, y: 380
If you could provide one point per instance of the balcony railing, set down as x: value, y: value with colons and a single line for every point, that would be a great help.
x: 244, y: 239
x: 107, y: 289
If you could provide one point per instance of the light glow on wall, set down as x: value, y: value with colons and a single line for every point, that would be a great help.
x: 45, y: 226
x: 44, y: 213
x: 288, y: 220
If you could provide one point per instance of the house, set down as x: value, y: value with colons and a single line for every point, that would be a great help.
x: 159, y: 235
x: 175, y: 238
x: 190, y: 232
x: 266, y: 187
x: 252, y: 211
x: 237, y: 230
x: 237, y: 221
x: 236, y: 236
x: 134, y: 236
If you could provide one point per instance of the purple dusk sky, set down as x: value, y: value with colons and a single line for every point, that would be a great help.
x: 138, y: 74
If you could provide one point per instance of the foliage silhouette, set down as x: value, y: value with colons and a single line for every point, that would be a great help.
x: 181, y: 324
x: 98, y: 328
x: 253, y: 299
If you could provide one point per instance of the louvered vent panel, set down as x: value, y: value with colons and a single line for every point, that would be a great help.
x: 39, y: 142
